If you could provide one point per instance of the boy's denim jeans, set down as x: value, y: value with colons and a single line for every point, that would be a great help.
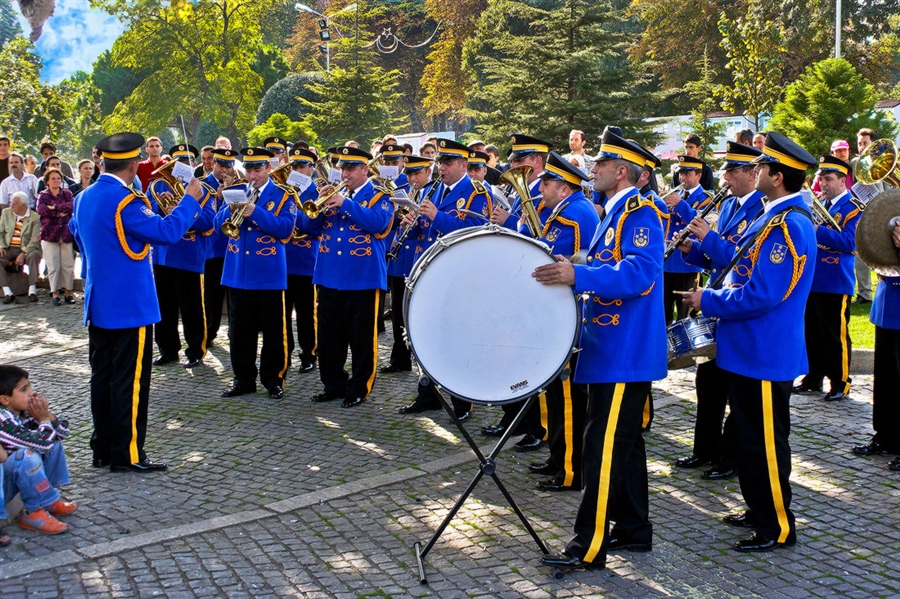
x: 34, y: 476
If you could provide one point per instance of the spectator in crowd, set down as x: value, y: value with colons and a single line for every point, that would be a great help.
x: 840, y: 149
x: 692, y: 147
x: 494, y: 157
x: 376, y: 147
x: 759, y: 141
x: 85, y: 176
x: 48, y: 150
x: 206, y: 162
x: 153, y: 162
x: 97, y: 159
x: 491, y: 175
x: 18, y: 180
x: 20, y: 243
x: 55, y: 205
x: 352, y: 144
x: 864, y: 137
x: 407, y: 149
x: 744, y: 136
x: 4, y: 157
x: 53, y: 163
x: 428, y: 150
x: 31, y: 164
x: 577, y: 156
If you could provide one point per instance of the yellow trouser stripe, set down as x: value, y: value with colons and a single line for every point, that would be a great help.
x: 845, y: 355
x: 542, y: 403
x: 647, y: 411
x: 203, y: 311
x: 371, y: 380
x: 136, y: 395
x: 568, y: 427
x: 284, y: 341
x: 315, y: 320
x: 772, y: 462
x: 609, y: 439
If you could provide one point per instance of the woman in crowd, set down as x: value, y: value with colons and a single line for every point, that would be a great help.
x: 85, y: 176
x: 55, y: 204
x: 51, y: 163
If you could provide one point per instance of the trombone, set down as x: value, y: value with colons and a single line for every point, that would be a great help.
x: 820, y: 213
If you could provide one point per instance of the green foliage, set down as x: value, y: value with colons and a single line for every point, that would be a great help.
x: 755, y: 49
x: 115, y: 83
x: 831, y: 100
x: 279, y: 125
x: 704, y: 103
x: 545, y: 71
x: 205, y: 134
x: 83, y: 127
x: 9, y: 23
x: 284, y: 97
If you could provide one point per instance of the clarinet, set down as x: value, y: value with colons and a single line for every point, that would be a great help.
x: 398, y: 243
x: 683, y: 234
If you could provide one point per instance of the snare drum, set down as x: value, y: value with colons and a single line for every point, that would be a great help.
x: 690, y: 338
x: 479, y: 325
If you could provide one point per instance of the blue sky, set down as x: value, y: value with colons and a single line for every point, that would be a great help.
x: 73, y: 38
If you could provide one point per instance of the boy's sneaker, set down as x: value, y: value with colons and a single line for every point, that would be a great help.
x: 42, y: 521
x: 62, y: 508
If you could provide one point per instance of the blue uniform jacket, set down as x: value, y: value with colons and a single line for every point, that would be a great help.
x: 464, y: 195
x: 114, y: 229
x: 302, y: 253
x: 257, y: 259
x: 836, y: 257
x: 402, y: 266
x: 683, y: 213
x: 623, y: 335
x: 885, y: 312
x: 718, y: 247
x: 217, y: 244
x: 516, y: 204
x: 570, y: 227
x: 190, y: 252
x: 351, y: 247
x: 760, y: 308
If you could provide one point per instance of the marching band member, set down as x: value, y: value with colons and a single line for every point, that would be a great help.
x: 682, y: 209
x: 759, y: 343
x: 827, y: 319
x: 301, y: 264
x: 255, y: 273
x: 568, y: 222
x: 178, y: 274
x: 623, y: 349
x: 418, y: 172
x: 114, y: 227
x: 214, y: 294
x: 525, y: 151
x: 392, y: 155
x: 278, y: 148
x: 443, y: 214
x: 713, y: 251
x: 350, y: 271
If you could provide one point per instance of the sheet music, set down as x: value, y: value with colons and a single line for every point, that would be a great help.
x: 807, y: 196
x: 183, y: 172
x: 388, y: 172
x: 234, y: 196
x: 299, y: 181
x: 864, y: 192
x: 335, y: 176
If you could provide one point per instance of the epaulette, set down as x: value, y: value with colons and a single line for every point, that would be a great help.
x: 285, y: 188
x: 775, y: 222
x: 138, y: 194
x: 859, y: 205
x: 633, y: 203
x: 207, y: 187
x: 479, y: 186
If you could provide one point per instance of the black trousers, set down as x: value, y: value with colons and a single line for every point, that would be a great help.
x: 712, y: 398
x: 401, y: 357
x: 566, y: 414
x: 213, y: 296
x: 672, y: 282
x: 348, y: 319
x: 120, y: 392
x: 614, y: 471
x: 828, y: 346
x: 886, y: 388
x: 301, y: 296
x: 180, y: 291
x: 762, y: 419
x: 255, y: 311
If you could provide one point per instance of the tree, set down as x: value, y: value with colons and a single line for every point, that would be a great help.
x: 831, y: 100
x: 545, y: 71
x: 83, y: 123
x: 278, y: 125
x: 9, y: 22
x: 704, y: 103
x: 755, y: 50
x: 29, y: 110
x: 284, y: 97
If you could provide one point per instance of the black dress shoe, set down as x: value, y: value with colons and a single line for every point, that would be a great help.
x: 835, y: 396
x: 144, y: 465
x: 9, y: 299
x: 543, y: 468
x: 493, y: 431
x: 325, y: 396
x: 101, y: 462
x: 33, y: 298
x: 236, y: 390
x: 352, y: 401
x: 861, y: 300
x: 564, y: 561
x: 418, y: 406
x: 528, y: 443
x: 275, y: 392
x: 390, y: 368
x: 804, y: 388
x: 691, y: 461
x: 627, y: 545
x: 552, y: 485
x: 462, y: 417
x: 758, y: 543
x: 873, y: 447
x: 742, y: 520
x: 164, y: 359
x: 306, y: 366
x: 718, y: 473
x: 894, y: 465
x: 192, y: 363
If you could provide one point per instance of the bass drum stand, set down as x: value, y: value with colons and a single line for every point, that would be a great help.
x: 487, y: 466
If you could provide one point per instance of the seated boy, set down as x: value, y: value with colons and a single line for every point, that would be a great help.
x: 36, y: 464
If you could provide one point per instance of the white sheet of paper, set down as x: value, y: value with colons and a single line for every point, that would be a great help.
x: 807, y: 196
x: 234, y: 196
x: 183, y: 172
x: 335, y: 176
x: 274, y: 162
x: 401, y: 199
x: 388, y: 172
x: 299, y: 181
x: 500, y: 198
x: 864, y: 192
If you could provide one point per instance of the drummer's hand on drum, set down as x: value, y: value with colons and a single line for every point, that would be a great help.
x: 499, y: 215
x: 686, y: 245
x: 693, y: 298
x: 699, y: 227
x: 895, y: 235
x: 560, y: 273
x: 428, y: 209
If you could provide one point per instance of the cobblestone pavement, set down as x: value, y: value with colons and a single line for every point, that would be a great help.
x: 285, y: 498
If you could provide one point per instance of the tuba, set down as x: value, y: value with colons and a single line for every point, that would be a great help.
x: 517, y: 178
x: 878, y: 164
x: 165, y: 173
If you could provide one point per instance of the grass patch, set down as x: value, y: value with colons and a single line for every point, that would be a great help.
x: 862, y: 332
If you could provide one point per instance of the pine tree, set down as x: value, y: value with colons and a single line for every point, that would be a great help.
x: 703, y: 103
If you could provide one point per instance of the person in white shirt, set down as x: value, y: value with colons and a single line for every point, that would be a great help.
x: 18, y: 180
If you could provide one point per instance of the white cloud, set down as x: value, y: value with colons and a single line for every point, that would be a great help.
x: 73, y: 38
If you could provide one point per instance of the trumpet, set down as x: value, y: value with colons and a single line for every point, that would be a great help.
x: 683, y: 234
x: 232, y: 226
x: 312, y: 209
x: 518, y: 178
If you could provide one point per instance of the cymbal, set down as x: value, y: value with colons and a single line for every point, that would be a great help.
x: 873, y: 233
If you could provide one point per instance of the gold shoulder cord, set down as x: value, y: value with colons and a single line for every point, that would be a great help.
x: 120, y: 230
x: 798, y: 262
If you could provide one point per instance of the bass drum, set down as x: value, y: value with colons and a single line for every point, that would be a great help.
x: 480, y: 326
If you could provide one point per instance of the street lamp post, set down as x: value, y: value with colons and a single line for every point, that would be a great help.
x: 324, y: 33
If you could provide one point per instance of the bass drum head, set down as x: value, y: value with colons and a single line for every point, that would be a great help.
x: 480, y: 325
